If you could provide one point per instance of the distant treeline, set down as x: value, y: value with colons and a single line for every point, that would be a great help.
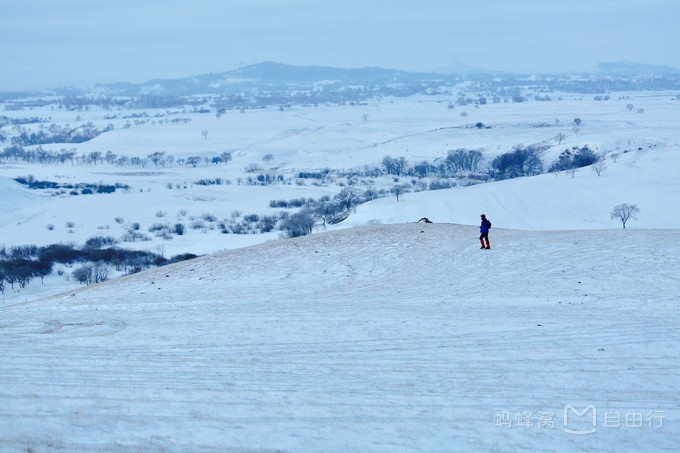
x: 14, y: 154
x: 20, y: 264
x: 308, y: 89
x: 75, y: 189
x: 57, y: 134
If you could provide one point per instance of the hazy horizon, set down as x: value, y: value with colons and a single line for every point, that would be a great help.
x: 79, y: 42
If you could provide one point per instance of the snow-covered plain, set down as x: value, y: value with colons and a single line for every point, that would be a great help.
x: 401, y: 337
x: 387, y: 337
x: 337, y: 137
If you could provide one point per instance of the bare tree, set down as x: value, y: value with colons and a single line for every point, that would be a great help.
x: 348, y: 198
x: 364, y: 117
x: 560, y: 137
x: 100, y: 272
x: 193, y: 160
x: 519, y: 162
x: 10, y: 278
x: 110, y: 157
x: 226, y: 157
x: 461, y: 159
x: 156, y: 157
x: 253, y: 168
x: 84, y: 274
x: 204, y: 134
x: 89, y: 274
x: 625, y: 212
x: 299, y: 224
x: 42, y: 269
x: 395, y: 166
x: 398, y: 190
x: 268, y: 158
x: 599, y: 167
x: 95, y: 157
x: 328, y: 212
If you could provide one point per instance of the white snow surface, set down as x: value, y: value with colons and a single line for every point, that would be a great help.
x: 15, y: 198
x: 402, y: 337
x: 648, y: 177
x: 391, y: 337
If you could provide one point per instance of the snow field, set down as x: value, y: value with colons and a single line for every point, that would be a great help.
x: 377, y: 338
x: 397, y: 336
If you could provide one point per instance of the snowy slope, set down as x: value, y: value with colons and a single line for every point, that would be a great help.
x: 14, y: 197
x: 386, y: 338
x: 648, y: 178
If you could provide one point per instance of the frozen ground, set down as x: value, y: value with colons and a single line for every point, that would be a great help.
x: 401, y: 337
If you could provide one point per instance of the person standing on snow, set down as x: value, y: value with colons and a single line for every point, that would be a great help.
x: 484, y: 230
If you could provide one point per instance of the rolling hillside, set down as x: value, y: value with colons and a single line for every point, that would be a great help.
x: 648, y: 178
x: 16, y: 197
x: 392, y: 336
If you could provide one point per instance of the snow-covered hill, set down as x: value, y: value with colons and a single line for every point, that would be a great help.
x: 648, y: 178
x: 392, y: 337
x: 15, y: 197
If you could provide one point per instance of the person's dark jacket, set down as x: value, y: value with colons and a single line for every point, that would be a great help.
x: 484, y: 227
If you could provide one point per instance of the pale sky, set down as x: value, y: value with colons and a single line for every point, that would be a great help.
x: 52, y: 43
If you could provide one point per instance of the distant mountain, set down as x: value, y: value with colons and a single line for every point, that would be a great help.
x: 628, y: 69
x: 273, y: 76
x: 270, y: 79
x: 271, y: 72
